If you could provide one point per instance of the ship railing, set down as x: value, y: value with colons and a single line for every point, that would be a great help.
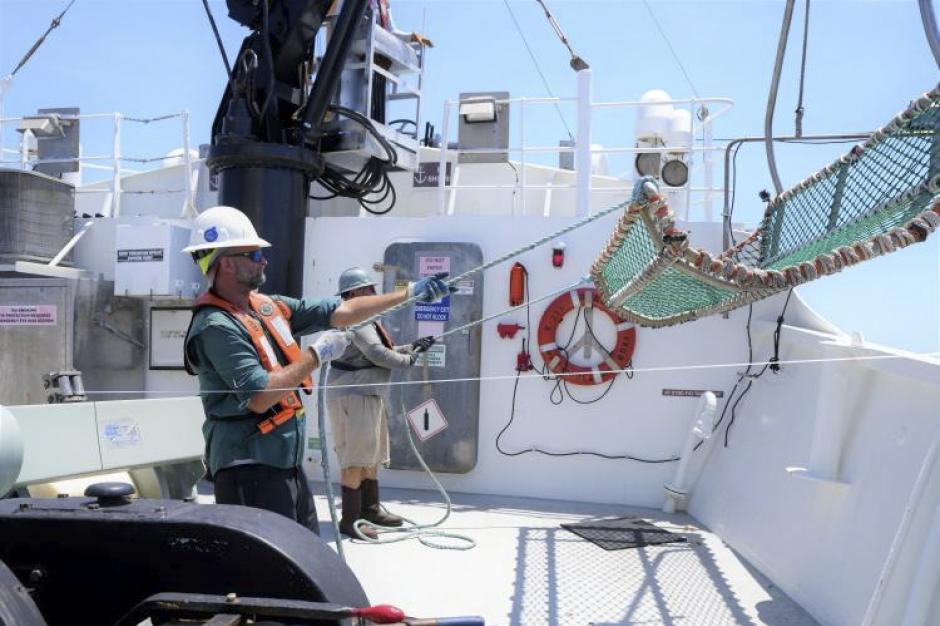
x: 703, y: 112
x: 117, y: 159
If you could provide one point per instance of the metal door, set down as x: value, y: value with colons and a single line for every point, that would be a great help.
x: 445, y: 415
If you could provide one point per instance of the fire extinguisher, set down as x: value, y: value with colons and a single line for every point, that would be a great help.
x: 517, y: 277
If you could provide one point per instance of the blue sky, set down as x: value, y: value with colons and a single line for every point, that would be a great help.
x: 866, y: 60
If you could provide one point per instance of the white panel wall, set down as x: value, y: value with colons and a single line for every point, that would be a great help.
x: 635, y: 418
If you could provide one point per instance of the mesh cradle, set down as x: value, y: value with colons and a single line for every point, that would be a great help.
x: 881, y: 196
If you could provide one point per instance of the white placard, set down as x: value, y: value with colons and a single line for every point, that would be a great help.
x: 167, y: 332
x: 28, y: 315
x: 429, y: 265
x: 435, y: 356
x: 464, y: 287
x: 427, y: 419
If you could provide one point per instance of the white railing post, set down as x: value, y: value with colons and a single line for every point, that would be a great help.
x: 116, y: 180
x: 24, y: 149
x: 582, y: 145
x: 5, y: 83
x: 442, y: 162
x: 708, y: 165
x: 189, y: 204
x: 522, y: 180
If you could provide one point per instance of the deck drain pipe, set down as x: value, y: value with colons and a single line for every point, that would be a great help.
x: 677, y: 492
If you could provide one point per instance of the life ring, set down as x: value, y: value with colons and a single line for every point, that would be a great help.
x: 617, y: 359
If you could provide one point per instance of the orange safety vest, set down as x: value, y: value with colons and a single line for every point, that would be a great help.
x: 275, y: 316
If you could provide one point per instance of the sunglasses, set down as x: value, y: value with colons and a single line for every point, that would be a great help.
x: 255, y: 256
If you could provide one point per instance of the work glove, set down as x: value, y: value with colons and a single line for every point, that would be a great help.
x: 431, y: 289
x: 422, y: 345
x: 330, y: 345
x: 419, y: 346
x: 644, y: 188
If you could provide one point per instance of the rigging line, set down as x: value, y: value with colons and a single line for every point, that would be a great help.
x: 509, y: 255
x: 675, y: 56
x: 537, y: 68
x: 577, y: 63
x: 798, y: 123
x: 52, y: 26
x: 478, y: 322
x: 537, y: 376
x: 218, y: 39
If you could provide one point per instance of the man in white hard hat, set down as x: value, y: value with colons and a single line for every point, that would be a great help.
x: 358, y: 418
x: 241, y: 344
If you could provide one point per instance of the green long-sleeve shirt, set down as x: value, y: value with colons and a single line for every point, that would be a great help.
x: 222, y: 355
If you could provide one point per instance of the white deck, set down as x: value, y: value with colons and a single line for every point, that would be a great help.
x: 527, y: 570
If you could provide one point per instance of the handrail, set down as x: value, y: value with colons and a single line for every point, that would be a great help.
x: 447, y: 192
x: 116, y: 157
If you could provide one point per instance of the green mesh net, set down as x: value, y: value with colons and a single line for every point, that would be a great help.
x: 878, y: 188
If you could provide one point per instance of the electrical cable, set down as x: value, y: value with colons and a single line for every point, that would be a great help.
x: 371, y: 186
x: 269, y: 59
x: 773, y: 364
x: 537, y: 450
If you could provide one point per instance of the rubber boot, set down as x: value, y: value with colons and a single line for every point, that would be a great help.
x: 352, y: 510
x: 371, y: 510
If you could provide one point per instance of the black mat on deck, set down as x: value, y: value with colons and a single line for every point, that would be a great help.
x: 623, y: 532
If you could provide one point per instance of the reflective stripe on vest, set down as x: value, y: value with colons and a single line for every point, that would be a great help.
x: 275, y: 318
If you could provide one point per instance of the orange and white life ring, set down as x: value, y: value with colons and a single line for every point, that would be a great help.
x: 617, y: 359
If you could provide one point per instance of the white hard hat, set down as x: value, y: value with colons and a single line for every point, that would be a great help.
x: 223, y: 227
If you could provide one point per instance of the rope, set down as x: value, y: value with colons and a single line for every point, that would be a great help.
x: 415, y: 530
x: 325, y: 457
x: 641, y: 370
x: 422, y: 532
x: 509, y: 255
x: 574, y: 285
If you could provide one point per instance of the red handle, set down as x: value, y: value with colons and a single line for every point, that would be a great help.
x: 380, y: 614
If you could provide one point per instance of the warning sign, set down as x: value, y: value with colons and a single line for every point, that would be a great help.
x: 28, y: 315
x: 427, y: 419
x: 428, y: 265
x: 143, y: 255
x: 434, y: 357
x: 437, y: 312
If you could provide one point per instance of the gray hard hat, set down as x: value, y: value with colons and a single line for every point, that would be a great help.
x: 354, y: 278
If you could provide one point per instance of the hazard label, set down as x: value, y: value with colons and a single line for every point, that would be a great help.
x: 427, y: 419
x: 28, y: 315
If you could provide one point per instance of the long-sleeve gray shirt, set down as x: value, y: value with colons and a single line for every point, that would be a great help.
x: 374, y: 363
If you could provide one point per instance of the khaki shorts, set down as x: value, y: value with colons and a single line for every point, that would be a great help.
x: 360, y: 430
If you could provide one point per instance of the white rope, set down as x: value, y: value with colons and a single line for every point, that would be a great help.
x: 672, y: 368
x: 424, y: 533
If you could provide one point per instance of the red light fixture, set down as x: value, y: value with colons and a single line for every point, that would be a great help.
x: 558, y: 254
